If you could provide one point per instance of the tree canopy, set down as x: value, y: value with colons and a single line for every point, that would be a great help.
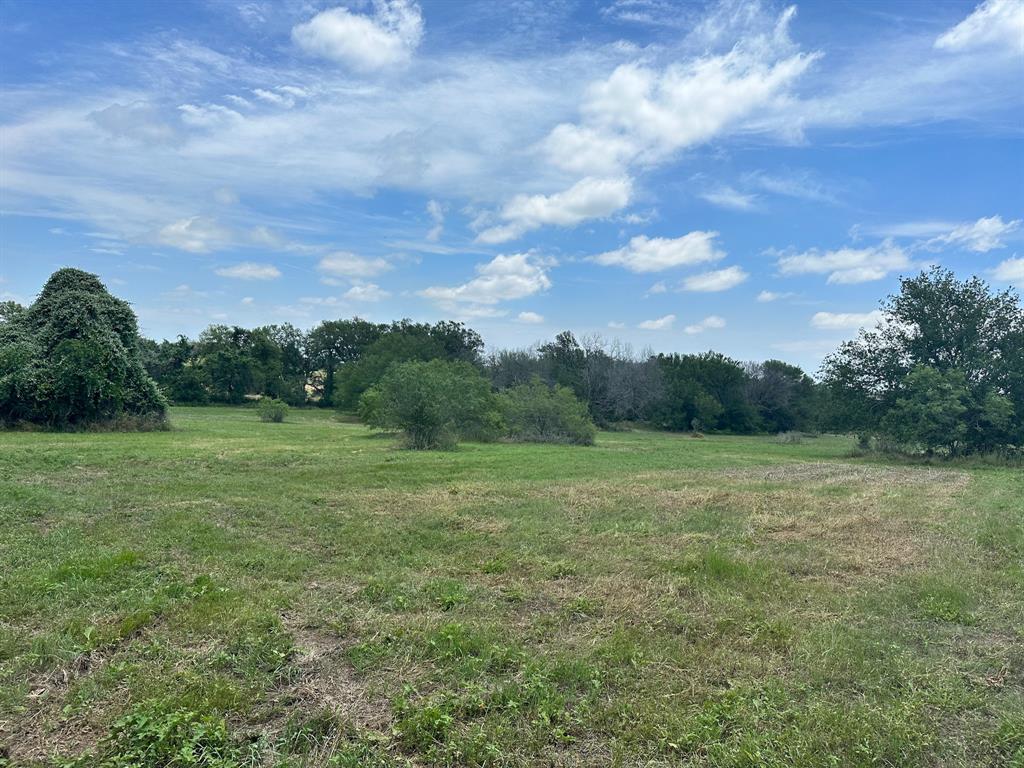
x: 73, y: 359
x: 943, y: 371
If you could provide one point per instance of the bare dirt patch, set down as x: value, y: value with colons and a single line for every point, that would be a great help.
x: 43, y: 731
x: 325, y: 680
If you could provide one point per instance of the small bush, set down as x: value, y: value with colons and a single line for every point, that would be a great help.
x: 789, y: 438
x: 271, y: 409
x: 538, y: 414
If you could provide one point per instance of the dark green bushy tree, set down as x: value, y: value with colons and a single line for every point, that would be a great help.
x: 705, y: 391
x: 73, y: 358
x: 535, y: 412
x: 944, y: 371
x: 433, y: 402
x: 405, y: 341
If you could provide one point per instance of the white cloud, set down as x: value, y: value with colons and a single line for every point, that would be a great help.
x: 993, y: 23
x: 345, y: 264
x: 767, y: 296
x: 504, y: 278
x: 589, y: 198
x: 644, y: 254
x: 1010, y: 270
x: 716, y: 280
x: 436, y: 212
x: 727, y: 197
x: 365, y: 292
x: 846, y: 320
x: 248, y: 270
x: 658, y: 287
x: 640, y: 113
x: 848, y: 265
x: 365, y: 43
x: 616, y: 325
x: 531, y: 318
x: 982, y: 236
x: 588, y: 151
x: 248, y: 300
x: 196, y: 234
x: 661, y: 324
x: 708, y: 323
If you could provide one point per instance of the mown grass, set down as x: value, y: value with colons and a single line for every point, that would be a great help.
x: 304, y: 594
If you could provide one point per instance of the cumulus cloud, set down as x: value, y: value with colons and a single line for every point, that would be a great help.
x: 365, y: 292
x: 644, y: 254
x: 834, y: 321
x: 346, y: 264
x: 196, y: 234
x: 248, y: 270
x: 848, y: 265
x: 981, y: 236
x: 661, y: 324
x: 504, y: 278
x: 365, y: 43
x: 531, y: 318
x: 589, y: 198
x: 1010, y: 270
x: 994, y: 23
x: 716, y: 280
x: 640, y: 113
x: 708, y: 323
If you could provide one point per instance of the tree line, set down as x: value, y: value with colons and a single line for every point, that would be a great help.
x: 943, y: 373
x: 337, y: 361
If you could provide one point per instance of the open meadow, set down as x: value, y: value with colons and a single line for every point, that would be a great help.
x: 653, y: 600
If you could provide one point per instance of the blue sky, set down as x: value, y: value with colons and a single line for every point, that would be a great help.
x: 747, y: 177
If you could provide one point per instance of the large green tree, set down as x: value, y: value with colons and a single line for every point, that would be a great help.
x: 73, y: 358
x: 949, y: 354
x: 336, y: 343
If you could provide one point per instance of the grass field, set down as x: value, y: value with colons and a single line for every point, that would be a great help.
x: 654, y: 600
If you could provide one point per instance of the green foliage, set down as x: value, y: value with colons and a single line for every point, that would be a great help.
x: 156, y: 736
x: 271, y: 409
x: 537, y: 413
x: 434, y: 403
x: 944, y: 371
x: 708, y: 390
x: 405, y: 341
x: 72, y: 359
x: 336, y: 343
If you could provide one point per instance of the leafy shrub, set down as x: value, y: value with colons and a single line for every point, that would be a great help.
x: 536, y: 413
x: 433, y: 403
x: 72, y: 359
x: 156, y: 736
x: 271, y: 409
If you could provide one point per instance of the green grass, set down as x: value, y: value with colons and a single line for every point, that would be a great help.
x: 239, y: 593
